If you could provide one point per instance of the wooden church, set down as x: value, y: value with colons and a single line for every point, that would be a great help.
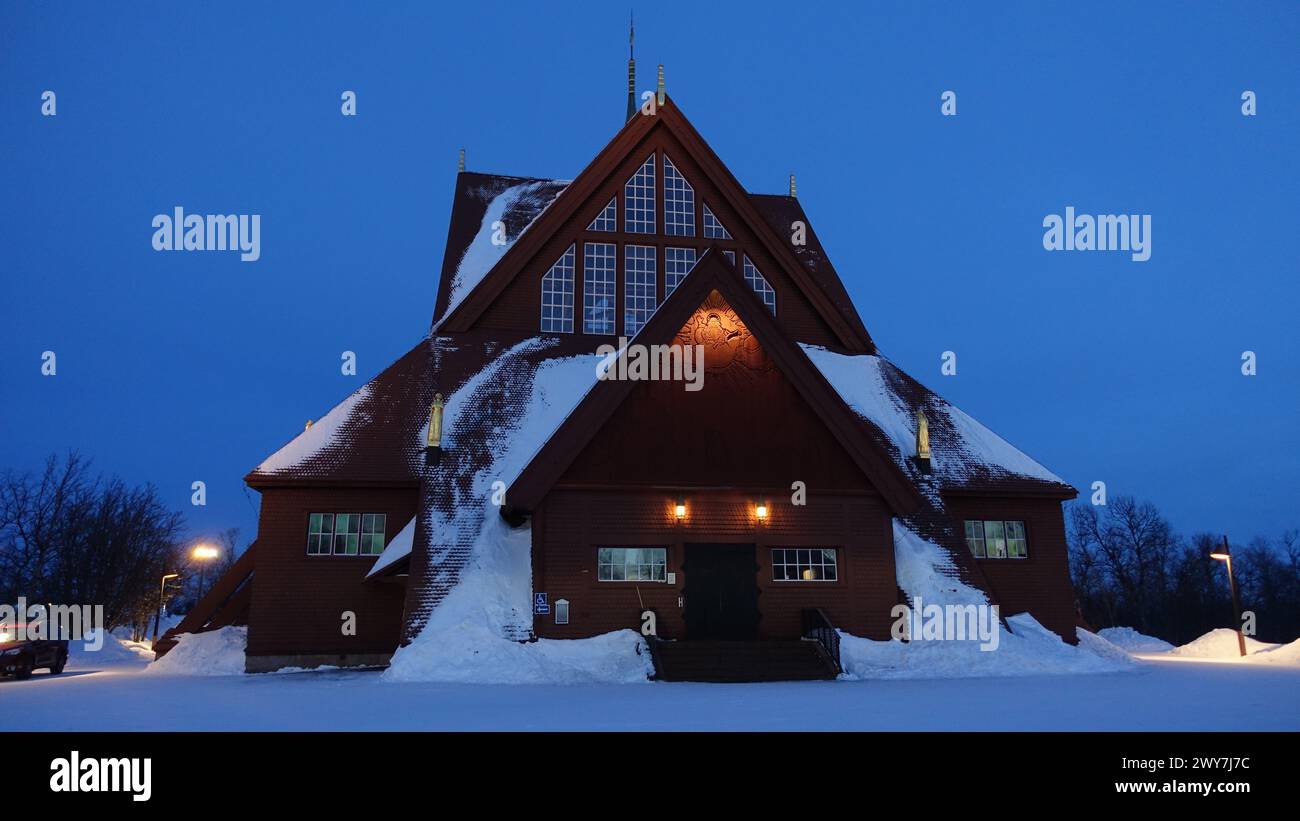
x: 739, y: 513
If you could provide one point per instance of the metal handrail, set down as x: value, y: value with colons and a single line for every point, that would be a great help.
x: 817, y: 626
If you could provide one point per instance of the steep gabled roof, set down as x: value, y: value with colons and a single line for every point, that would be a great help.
x: 481, y: 200
x: 461, y: 316
x: 714, y: 272
x: 780, y: 212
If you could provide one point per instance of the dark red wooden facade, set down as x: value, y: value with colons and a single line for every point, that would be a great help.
x: 613, y: 473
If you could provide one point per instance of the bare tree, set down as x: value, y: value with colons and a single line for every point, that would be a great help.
x: 71, y: 538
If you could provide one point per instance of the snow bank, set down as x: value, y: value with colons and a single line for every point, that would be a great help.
x: 113, y: 652
x: 214, y: 653
x: 926, y: 570
x: 1133, y: 641
x: 465, y: 637
x: 1220, y: 644
x: 1028, y: 651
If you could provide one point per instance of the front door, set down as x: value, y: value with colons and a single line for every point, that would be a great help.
x: 721, y: 591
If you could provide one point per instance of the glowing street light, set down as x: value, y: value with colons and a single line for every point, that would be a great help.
x: 1225, y: 556
x: 203, y: 554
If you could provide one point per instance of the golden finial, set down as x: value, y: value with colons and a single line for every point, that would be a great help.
x: 308, y: 427
x: 434, y: 439
x: 792, y: 188
x: 460, y: 162
x: 922, y: 436
x: 661, y: 84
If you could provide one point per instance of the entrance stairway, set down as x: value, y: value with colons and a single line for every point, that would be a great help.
x: 730, y: 661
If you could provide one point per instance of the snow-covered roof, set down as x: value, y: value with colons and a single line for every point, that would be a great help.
x: 397, y: 549
x: 964, y: 453
x: 489, y: 215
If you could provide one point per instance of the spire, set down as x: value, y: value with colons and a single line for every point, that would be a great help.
x: 631, y: 68
x: 460, y: 161
x: 793, y: 190
x: 659, y: 86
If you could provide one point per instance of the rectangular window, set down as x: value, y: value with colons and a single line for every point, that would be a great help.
x: 599, y: 286
x: 1017, y: 547
x: 804, y: 564
x: 678, y: 262
x: 640, y: 281
x: 372, y: 533
x: 320, y: 534
x: 346, y: 534
x: 975, y: 538
x: 639, y: 200
x: 995, y: 539
x: 631, y: 564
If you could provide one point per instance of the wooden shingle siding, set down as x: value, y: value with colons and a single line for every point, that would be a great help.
x: 298, y: 600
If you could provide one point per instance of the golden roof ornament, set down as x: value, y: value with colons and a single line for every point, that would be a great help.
x: 922, y: 436
x: 434, y: 439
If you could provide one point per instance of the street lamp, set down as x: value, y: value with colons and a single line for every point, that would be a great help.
x: 203, y: 554
x: 1225, y: 556
x: 162, y: 591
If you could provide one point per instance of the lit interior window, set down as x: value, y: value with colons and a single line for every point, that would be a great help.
x: 557, y: 295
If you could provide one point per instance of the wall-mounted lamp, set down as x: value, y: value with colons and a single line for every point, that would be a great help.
x: 679, y: 510
x: 760, y: 510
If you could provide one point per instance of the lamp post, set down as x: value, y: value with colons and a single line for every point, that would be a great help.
x: 203, y: 554
x: 1226, y: 557
x: 162, y: 591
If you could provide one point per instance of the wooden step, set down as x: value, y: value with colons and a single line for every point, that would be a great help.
x: 734, y: 661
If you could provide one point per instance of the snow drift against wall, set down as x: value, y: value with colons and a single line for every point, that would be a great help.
x: 470, y: 636
x: 214, y: 653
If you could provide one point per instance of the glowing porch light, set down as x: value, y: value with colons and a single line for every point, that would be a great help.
x: 680, y: 509
x: 760, y: 510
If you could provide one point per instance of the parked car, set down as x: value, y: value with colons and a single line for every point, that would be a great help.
x: 20, y: 658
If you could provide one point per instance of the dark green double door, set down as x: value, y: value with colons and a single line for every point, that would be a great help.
x: 721, y: 592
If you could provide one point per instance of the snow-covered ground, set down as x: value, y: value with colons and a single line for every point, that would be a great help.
x: 111, y: 691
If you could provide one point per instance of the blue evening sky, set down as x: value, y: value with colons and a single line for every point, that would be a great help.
x: 176, y: 367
